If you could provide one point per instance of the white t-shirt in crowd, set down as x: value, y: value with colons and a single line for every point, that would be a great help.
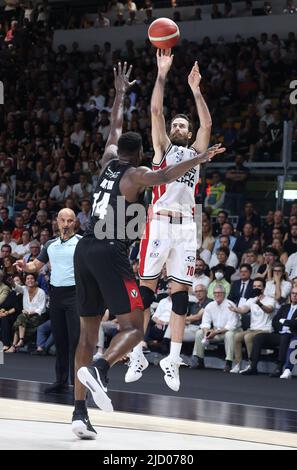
x: 163, y: 310
x: 22, y: 250
x: 286, y: 288
x: 231, y: 261
x: 203, y: 279
x: 259, y: 319
x: 291, y: 266
x: 59, y: 195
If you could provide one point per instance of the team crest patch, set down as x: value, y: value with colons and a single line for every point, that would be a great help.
x: 179, y: 156
x: 134, y: 293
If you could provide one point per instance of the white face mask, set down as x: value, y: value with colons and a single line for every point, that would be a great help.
x: 219, y: 276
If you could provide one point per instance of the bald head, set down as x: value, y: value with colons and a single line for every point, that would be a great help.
x: 66, y: 221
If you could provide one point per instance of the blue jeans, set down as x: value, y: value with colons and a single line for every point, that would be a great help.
x: 44, y: 336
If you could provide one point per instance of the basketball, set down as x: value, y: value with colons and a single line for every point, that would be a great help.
x: 163, y: 33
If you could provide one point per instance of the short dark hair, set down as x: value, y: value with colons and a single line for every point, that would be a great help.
x: 246, y: 266
x: 183, y: 116
x: 129, y: 143
x: 30, y: 274
x: 224, y: 249
x: 260, y: 279
x: 5, y: 245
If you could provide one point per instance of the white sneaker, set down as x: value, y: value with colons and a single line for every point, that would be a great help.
x: 235, y: 369
x: 287, y: 374
x: 171, y: 372
x: 136, y: 366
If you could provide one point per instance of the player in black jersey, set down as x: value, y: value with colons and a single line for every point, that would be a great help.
x: 104, y: 277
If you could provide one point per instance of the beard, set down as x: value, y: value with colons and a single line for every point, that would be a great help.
x: 180, y: 140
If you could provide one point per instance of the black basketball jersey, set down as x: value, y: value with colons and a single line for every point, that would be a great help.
x: 109, y: 209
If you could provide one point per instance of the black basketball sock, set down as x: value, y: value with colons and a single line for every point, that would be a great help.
x: 102, y: 364
x: 80, y: 406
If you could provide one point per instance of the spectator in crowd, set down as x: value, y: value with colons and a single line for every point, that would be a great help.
x: 218, y: 324
x: 34, y: 301
x: 261, y: 308
x: 216, y: 195
x: 84, y: 216
x: 160, y: 319
x: 235, y: 180
x: 22, y: 249
x: 290, y: 245
x: 219, y: 275
x: 194, y: 316
x: 227, y: 231
x: 232, y: 258
x: 291, y: 358
x: 241, y: 289
x: 7, y: 240
x: 7, y: 223
x: 10, y: 309
x: 44, y: 340
x: 207, y: 237
x: 250, y: 257
x: 291, y: 266
x: 82, y: 190
x: 200, y: 276
x: 59, y: 193
x: 284, y: 328
x: 265, y: 270
x: 223, y: 254
x: 278, y: 288
x: 109, y: 326
x: 244, y: 242
x: 249, y: 216
x: 221, y: 218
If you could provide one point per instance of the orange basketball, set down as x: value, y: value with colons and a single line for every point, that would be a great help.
x: 163, y: 33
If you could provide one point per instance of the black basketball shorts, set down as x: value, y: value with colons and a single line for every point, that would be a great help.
x: 104, y: 278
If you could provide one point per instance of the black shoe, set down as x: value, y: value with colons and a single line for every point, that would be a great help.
x: 57, y: 388
x: 82, y: 427
x: 95, y: 380
x: 249, y: 371
x: 276, y: 373
x: 38, y: 353
x: 196, y: 362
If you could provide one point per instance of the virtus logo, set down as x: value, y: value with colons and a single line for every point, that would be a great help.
x: 293, y: 94
x: 1, y: 93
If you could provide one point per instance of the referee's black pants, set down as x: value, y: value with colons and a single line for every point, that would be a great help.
x: 65, y: 324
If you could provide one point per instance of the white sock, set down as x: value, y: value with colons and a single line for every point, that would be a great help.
x: 175, y: 349
x: 137, y: 351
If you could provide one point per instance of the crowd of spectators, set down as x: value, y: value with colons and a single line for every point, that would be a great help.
x: 54, y: 126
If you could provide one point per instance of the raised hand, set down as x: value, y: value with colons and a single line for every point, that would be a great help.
x: 194, y: 77
x: 121, y: 77
x: 210, y: 153
x: 164, y: 61
x: 20, y: 264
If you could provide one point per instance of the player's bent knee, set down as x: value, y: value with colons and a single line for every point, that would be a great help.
x: 180, y: 302
x: 147, y: 296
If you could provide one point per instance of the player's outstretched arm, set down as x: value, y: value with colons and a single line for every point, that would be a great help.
x: 159, y: 135
x: 203, y: 135
x: 122, y: 84
x: 144, y: 177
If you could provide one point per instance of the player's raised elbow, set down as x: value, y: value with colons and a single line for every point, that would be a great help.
x: 207, y: 125
x: 156, y: 110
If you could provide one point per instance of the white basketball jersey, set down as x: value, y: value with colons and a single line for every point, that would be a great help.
x: 178, y: 196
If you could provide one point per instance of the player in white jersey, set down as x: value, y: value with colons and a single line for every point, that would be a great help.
x: 171, y: 232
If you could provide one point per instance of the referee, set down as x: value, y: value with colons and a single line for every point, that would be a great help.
x: 64, y: 318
